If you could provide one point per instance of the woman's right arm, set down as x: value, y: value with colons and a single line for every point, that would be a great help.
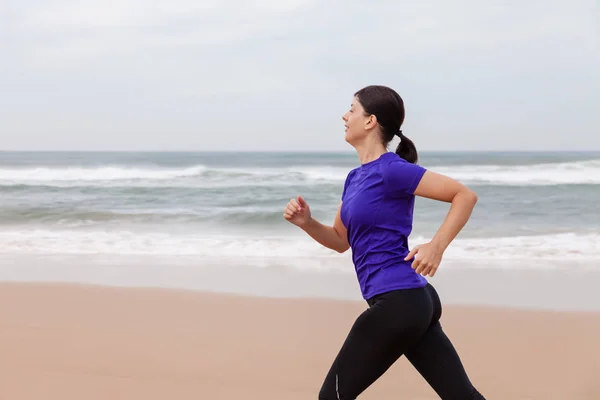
x: 333, y: 237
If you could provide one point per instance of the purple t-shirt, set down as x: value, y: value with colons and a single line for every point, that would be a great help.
x: 377, y: 210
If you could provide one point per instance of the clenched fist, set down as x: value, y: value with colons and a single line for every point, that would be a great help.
x: 427, y: 258
x: 297, y: 212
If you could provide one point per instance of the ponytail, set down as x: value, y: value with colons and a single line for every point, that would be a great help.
x: 406, y: 149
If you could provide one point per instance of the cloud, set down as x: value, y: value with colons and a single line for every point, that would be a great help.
x: 68, y: 34
x: 134, y: 66
x: 89, y: 14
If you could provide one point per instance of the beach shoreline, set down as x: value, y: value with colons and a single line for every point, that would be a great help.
x: 557, y: 286
x: 72, y: 341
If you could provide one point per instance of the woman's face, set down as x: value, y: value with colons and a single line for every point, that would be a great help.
x: 357, y: 124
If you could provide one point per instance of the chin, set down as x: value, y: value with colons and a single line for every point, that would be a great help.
x: 350, y: 139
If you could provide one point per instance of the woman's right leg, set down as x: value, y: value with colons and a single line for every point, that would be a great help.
x: 437, y: 361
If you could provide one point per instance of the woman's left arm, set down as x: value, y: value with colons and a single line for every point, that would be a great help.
x: 442, y: 188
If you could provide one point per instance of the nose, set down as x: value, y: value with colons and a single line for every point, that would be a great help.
x: 345, y: 117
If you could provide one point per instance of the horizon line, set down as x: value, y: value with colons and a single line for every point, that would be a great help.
x: 285, y: 151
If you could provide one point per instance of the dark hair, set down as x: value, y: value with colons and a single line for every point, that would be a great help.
x: 388, y: 107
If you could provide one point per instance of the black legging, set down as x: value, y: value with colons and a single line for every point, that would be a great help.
x: 401, y: 322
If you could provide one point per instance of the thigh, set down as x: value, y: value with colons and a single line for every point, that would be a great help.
x: 360, y: 361
x: 379, y: 336
x: 438, y: 362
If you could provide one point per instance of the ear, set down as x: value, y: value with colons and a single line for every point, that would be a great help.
x: 371, y: 122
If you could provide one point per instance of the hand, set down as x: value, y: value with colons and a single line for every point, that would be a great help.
x: 297, y: 212
x: 427, y: 258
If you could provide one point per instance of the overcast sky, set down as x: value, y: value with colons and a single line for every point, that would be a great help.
x: 278, y: 75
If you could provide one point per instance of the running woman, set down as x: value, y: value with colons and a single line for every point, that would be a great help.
x: 375, y: 219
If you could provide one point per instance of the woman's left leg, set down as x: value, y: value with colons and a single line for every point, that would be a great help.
x: 380, y: 335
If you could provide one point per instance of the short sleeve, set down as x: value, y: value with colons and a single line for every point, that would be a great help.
x: 401, y: 177
x: 347, y: 182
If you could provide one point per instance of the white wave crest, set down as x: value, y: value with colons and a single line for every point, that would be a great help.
x: 582, y: 172
x: 201, y: 176
x: 192, y: 176
x: 526, y: 249
x: 98, y: 174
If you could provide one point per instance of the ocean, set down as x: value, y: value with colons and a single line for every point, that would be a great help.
x: 534, y: 208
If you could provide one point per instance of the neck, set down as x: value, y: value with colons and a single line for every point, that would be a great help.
x: 369, y: 151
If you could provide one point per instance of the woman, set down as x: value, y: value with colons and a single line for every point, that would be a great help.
x: 375, y: 219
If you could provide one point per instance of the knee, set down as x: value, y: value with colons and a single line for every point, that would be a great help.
x: 328, y: 395
x: 331, y: 393
x: 325, y: 394
x: 468, y: 394
x: 475, y: 395
x: 329, y: 388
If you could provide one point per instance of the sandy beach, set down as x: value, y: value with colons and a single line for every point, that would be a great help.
x: 64, y: 342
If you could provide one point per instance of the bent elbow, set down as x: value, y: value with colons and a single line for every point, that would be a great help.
x: 467, y: 197
x: 342, y: 249
x: 473, y: 197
